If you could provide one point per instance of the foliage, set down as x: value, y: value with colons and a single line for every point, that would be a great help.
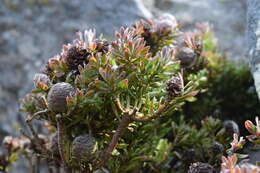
x: 139, y: 103
x: 96, y: 94
x: 230, y: 91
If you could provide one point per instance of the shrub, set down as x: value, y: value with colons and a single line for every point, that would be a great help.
x: 139, y: 103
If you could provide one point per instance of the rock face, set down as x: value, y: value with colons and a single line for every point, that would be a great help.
x: 228, y: 18
x: 253, y: 33
x: 31, y: 31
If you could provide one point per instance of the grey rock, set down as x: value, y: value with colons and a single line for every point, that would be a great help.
x: 253, y: 35
x: 228, y: 18
x: 254, y: 155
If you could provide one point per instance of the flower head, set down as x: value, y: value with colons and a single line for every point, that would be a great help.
x: 254, y: 130
x: 229, y: 164
x: 237, y: 144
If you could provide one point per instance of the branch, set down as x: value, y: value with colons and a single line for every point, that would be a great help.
x: 36, y: 138
x: 60, y: 131
x: 119, y: 105
x: 157, y: 114
x: 113, y: 143
x: 35, y: 114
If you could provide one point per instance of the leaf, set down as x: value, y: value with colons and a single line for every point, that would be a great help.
x: 191, y: 99
x: 162, y: 152
x: 13, y: 157
x: 123, y: 84
x: 36, y: 91
x: 102, y: 73
x: 115, y: 153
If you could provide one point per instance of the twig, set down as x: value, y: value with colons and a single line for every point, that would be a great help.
x: 157, y: 114
x: 33, y: 131
x: 23, y: 133
x: 29, y: 162
x: 37, y: 139
x: 57, y: 168
x: 60, y: 131
x: 49, y: 166
x: 112, y: 145
x: 35, y: 114
x: 119, y: 105
x: 35, y: 164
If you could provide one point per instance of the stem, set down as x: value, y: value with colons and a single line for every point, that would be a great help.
x: 57, y: 168
x: 119, y: 105
x: 35, y: 164
x: 49, y: 166
x: 60, y: 131
x: 113, y: 143
x: 35, y: 114
x: 23, y: 133
x: 157, y: 114
x: 37, y: 140
x: 122, y: 126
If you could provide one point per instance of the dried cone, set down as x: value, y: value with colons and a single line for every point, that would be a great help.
x: 189, y: 155
x: 231, y: 127
x: 199, y: 167
x: 83, y: 148
x: 217, y: 148
x: 187, y: 57
x: 57, y: 97
x: 174, y: 86
x: 75, y: 57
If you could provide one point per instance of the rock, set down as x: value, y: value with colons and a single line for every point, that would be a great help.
x: 228, y: 18
x: 33, y: 31
x: 253, y: 34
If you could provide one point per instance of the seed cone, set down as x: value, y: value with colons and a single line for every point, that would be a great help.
x: 57, y: 97
x: 75, y: 57
x: 216, y: 148
x: 78, y: 55
x: 83, y: 148
x: 174, y: 87
x: 199, y: 167
x: 231, y: 127
x: 189, y: 155
x: 187, y: 57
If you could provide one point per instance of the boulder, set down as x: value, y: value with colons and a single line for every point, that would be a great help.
x: 228, y: 18
x: 253, y: 35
